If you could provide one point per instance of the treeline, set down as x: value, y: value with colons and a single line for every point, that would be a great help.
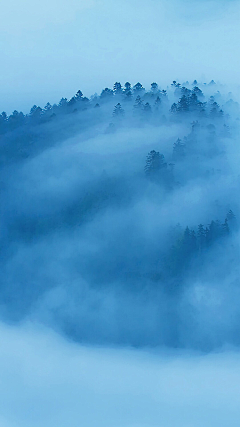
x: 144, y: 104
x: 192, y: 243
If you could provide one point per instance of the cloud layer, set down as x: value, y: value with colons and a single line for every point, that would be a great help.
x: 47, y: 381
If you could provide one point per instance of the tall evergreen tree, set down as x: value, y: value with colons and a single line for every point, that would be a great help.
x: 183, y: 104
x: 138, y: 88
x: 138, y: 105
x: 47, y: 107
x: 106, y: 94
x: 154, y: 88
x: 127, y: 91
x: 117, y: 88
x: 79, y: 95
x: 118, y: 111
x: 178, y: 149
x: 62, y: 102
x: 155, y: 163
x: 157, y: 103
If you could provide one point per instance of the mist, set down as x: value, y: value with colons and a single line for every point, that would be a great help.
x: 58, y: 383
x: 119, y: 184
x: 120, y: 217
x: 52, y: 48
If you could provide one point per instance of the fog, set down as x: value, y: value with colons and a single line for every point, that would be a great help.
x: 120, y: 217
x: 119, y: 266
x: 51, y: 48
x: 51, y: 382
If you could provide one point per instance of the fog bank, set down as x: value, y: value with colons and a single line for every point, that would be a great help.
x: 59, y: 383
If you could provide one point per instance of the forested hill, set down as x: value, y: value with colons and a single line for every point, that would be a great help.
x: 122, y: 106
x: 119, y: 216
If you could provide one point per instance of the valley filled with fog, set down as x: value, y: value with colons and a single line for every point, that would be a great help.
x: 120, y: 216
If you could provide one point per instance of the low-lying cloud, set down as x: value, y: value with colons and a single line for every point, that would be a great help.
x: 108, y: 247
x: 57, y: 383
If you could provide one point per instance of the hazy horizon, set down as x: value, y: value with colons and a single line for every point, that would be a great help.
x: 53, y: 48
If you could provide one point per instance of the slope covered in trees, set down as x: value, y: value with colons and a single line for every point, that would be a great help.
x: 120, y: 215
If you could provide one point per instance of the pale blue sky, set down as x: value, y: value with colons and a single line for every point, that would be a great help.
x: 52, y: 48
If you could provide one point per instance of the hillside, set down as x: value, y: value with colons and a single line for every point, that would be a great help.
x: 120, y: 216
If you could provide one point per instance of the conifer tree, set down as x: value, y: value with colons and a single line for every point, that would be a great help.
x: 118, y: 111
x: 117, y: 88
x: 138, y: 88
x: 178, y: 149
x: 155, y: 163
x: 138, y: 105
x: 154, y: 88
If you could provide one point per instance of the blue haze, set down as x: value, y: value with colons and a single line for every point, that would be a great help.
x: 119, y: 278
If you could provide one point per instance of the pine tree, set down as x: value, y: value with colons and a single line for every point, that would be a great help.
x: 197, y: 91
x: 185, y: 91
x: 117, y: 88
x: 106, y: 93
x: 127, y: 86
x: 127, y: 92
x: 178, y: 149
x: 16, y: 119
x: 154, y: 88
x: 155, y: 163
x: 36, y: 113
x: 79, y: 95
x: 47, y: 107
x: 72, y: 102
x: 138, y: 88
x: 215, y: 110
x: 183, y: 104
x: 157, y: 103
x: 193, y: 101
x: 62, y: 102
x: 118, y: 111
x: 138, y: 105
x: 174, y: 108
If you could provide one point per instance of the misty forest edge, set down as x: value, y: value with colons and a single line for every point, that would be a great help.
x: 210, y: 119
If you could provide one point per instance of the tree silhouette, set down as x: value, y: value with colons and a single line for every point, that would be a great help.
x: 118, y: 111
x: 155, y: 163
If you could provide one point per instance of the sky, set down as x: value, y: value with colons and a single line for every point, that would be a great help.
x: 51, y: 48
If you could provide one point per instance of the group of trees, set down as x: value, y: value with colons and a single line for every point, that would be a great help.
x: 119, y: 224
x: 146, y: 103
x: 191, y: 244
x: 192, y: 101
x: 143, y: 101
